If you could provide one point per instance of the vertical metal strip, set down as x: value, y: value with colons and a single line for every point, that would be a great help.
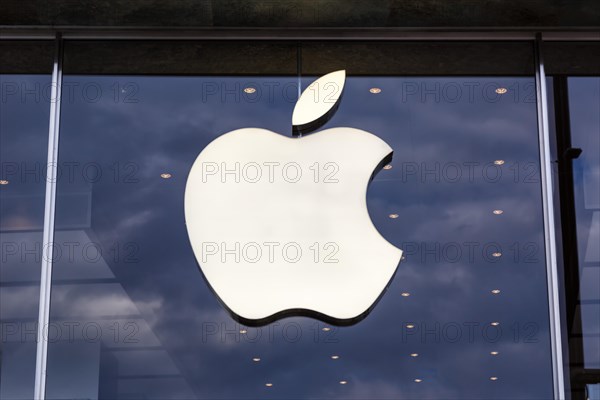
x: 549, y: 224
x: 48, y: 237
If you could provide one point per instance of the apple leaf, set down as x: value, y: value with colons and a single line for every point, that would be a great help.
x: 318, y: 102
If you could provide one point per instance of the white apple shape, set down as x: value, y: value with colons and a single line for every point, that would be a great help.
x: 280, y: 225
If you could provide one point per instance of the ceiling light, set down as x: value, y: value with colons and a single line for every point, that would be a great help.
x: 388, y: 166
x: 249, y: 90
x: 499, y: 162
x: 165, y: 176
x: 268, y: 384
x: 498, y: 212
x: 343, y: 382
x: 393, y: 216
x: 418, y: 380
x: 3, y: 182
x: 410, y: 326
x: 404, y: 294
x: 335, y: 357
x: 414, y: 354
x: 326, y: 329
x: 495, y: 323
x: 493, y: 378
x: 375, y: 90
x: 496, y: 291
x: 256, y: 359
x: 494, y: 353
x: 242, y: 331
x: 501, y: 90
x: 497, y: 254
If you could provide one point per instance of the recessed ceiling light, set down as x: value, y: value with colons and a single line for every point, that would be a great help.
x: 414, y: 354
x: 418, y: 380
x: 493, y: 378
x: 335, y: 357
x: 495, y: 291
x: 375, y: 90
x: 256, y: 359
x: 343, y: 382
x: 498, y: 212
x: 495, y: 323
x: 499, y: 162
x: 496, y: 254
x: 165, y: 176
x: 326, y: 329
x: 410, y: 326
x: 242, y: 331
x: 4, y: 182
x: 393, y: 216
x: 388, y: 166
x: 494, y: 353
x: 249, y: 90
x: 268, y: 384
x: 501, y: 90
x: 404, y: 294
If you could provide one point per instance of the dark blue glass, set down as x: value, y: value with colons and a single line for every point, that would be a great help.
x: 134, y: 318
x: 25, y: 106
x: 584, y: 106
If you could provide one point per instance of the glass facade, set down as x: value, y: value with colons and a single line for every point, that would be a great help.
x: 584, y: 98
x: 132, y: 317
x: 25, y: 103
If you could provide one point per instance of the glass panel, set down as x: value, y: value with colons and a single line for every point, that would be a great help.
x: 465, y: 316
x: 593, y: 392
x: 584, y: 103
x: 25, y: 107
x: 457, y: 210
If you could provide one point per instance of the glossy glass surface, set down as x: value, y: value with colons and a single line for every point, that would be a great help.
x: 584, y: 103
x: 25, y: 106
x: 464, y: 317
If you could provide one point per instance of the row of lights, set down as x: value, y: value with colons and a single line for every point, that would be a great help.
x: 163, y: 175
x: 411, y: 326
x: 492, y: 378
x: 497, y: 212
x: 407, y: 294
x: 375, y: 90
x: 269, y: 384
x: 413, y: 355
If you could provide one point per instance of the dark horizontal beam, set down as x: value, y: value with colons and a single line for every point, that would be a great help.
x: 530, y: 14
x: 305, y: 34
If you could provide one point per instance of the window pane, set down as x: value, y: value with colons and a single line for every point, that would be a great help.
x: 136, y: 319
x: 584, y: 103
x: 25, y: 107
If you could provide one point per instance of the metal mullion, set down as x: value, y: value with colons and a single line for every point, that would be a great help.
x: 549, y: 224
x: 48, y: 235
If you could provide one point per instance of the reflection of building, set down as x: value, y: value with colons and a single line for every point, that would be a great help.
x: 101, y: 342
x: 451, y: 87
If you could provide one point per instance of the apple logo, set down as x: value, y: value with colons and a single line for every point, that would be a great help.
x: 279, y: 225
